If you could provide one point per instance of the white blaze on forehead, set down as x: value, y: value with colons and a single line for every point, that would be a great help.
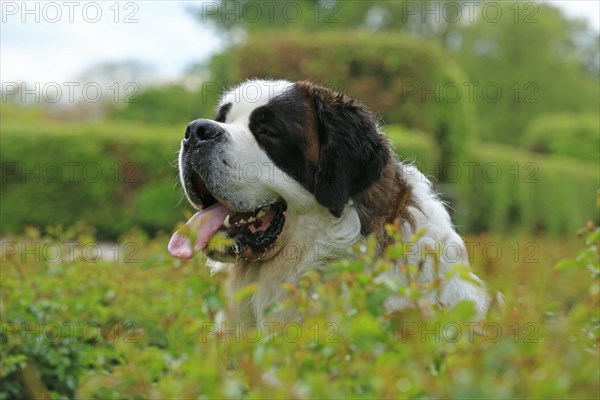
x: 250, y: 95
x: 252, y: 178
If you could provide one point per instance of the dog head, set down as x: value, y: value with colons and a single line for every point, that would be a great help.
x: 273, y: 148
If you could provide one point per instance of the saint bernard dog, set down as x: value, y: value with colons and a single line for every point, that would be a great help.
x: 293, y: 163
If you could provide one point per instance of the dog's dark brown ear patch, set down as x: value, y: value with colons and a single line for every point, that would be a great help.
x: 352, y: 152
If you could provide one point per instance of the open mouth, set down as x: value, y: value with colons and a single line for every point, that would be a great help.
x: 247, y: 234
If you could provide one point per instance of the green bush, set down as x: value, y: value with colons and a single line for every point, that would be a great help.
x: 144, y: 328
x: 413, y: 146
x: 391, y: 74
x: 520, y: 72
x: 111, y: 176
x: 504, y: 189
x: 573, y: 135
x: 168, y: 104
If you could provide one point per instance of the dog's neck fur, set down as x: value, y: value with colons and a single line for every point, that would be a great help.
x: 329, y: 237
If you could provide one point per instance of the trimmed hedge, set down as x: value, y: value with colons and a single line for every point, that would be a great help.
x: 111, y: 176
x: 167, y: 104
x: 503, y: 189
x: 573, y: 135
x: 511, y: 189
x: 413, y: 146
x: 406, y: 79
x: 119, y: 176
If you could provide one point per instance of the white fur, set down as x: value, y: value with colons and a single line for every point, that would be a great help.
x: 439, y: 243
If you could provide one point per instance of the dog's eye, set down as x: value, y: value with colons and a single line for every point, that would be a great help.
x: 267, y: 132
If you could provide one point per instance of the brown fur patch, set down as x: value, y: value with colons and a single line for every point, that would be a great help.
x: 326, y: 94
x: 385, y: 201
x: 312, y: 135
x: 314, y: 91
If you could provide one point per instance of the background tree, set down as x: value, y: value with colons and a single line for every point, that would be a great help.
x: 527, y: 60
x: 542, y: 62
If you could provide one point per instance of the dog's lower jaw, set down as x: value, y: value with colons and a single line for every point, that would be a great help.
x: 328, y: 237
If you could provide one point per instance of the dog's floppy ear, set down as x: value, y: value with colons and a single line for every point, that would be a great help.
x: 352, y: 151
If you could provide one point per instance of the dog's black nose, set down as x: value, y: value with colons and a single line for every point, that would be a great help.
x: 201, y: 130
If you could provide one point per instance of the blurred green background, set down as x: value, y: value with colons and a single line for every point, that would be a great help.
x: 496, y: 101
x: 502, y: 114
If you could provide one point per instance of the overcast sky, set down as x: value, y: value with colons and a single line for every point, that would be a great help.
x: 159, y: 33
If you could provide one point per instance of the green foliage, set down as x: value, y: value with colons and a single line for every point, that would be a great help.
x: 413, y: 146
x: 538, y: 59
x: 402, y: 78
x: 506, y: 190
x: 111, y: 176
x: 145, y: 328
x: 170, y: 104
x: 511, y: 53
x: 573, y: 135
x: 589, y: 257
x: 227, y: 16
x: 500, y: 189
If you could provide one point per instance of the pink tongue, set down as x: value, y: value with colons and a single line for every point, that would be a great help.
x: 205, y: 224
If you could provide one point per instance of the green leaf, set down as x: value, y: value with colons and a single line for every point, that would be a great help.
x: 567, y: 264
x: 246, y: 291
